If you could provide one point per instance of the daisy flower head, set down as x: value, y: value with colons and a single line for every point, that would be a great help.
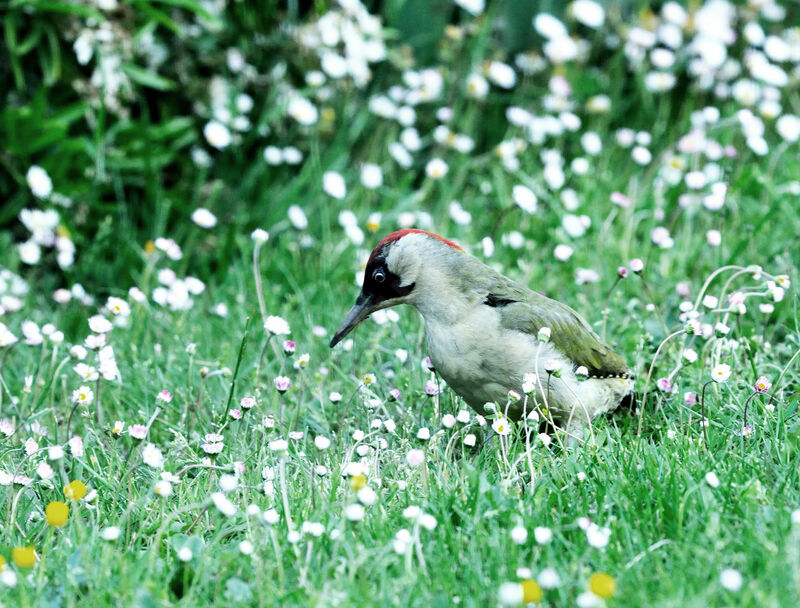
x: 223, y: 504
x: 436, y: 168
x: 501, y: 74
x: 39, y: 182
x: 100, y: 325
x: 596, y: 536
x: 204, y: 218
x: 415, y: 458
x: 542, y: 534
x: 549, y: 578
x: 302, y: 361
x: 217, y: 135
x: 371, y: 177
x: 163, y: 488
x: 282, y: 383
x: 527, y: 591
x: 501, y: 426
x: 212, y: 448
x: 334, y: 185
x: 354, y: 512
x: 298, y: 218
x: 259, y: 236
x: 720, y: 373
x: 83, y: 395
x: 664, y: 385
x: 279, y: 445
x: 553, y: 367
x: 731, y: 579
x: 762, y: 385
x: 111, y: 533
x: 524, y: 198
x: 432, y: 388
x: 473, y: 7
x: 152, y: 456
x: 519, y: 534
x: 277, y: 326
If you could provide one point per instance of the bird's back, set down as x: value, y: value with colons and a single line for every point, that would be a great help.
x: 487, y: 349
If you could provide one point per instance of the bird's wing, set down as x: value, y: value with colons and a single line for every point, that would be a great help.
x: 527, y: 311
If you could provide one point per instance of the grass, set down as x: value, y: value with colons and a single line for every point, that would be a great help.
x: 682, y: 503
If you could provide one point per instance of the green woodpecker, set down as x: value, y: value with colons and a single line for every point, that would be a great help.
x: 488, y: 335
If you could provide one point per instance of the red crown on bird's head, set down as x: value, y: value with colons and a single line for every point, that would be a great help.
x: 399, y: 234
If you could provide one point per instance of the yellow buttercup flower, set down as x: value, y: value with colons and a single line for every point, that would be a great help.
x: 531, y: 591
x: 602, y: 585
x: 358, y: 481
x: 75, y: 490
x: 56, y: 513
x: 24, y: 557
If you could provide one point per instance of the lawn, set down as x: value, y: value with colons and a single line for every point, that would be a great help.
x: 191, y: 190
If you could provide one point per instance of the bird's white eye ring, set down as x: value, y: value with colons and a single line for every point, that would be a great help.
x: 378, y: 276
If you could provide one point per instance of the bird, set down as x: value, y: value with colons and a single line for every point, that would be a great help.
x: 488, y: 335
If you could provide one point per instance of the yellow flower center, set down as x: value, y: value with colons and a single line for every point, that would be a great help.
x: 358, y: 481
x: 531, y: 591
x: 56, y: 513
x: 75, y: 490
x: 24, y: 557
x: 602, y: 585
x: 328, y: 115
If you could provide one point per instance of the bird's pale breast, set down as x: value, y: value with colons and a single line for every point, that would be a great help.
x: 482, y: 361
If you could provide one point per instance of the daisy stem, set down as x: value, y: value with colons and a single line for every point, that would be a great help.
x: 242, y: 348
x: 97, y: 408
x: 285, y: 498
x: 278, y: 558
x: 746, y: 403
x: 262, y: 308
x: 703, y: 421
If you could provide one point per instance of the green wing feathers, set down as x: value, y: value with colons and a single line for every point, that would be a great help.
x: 527, y: 311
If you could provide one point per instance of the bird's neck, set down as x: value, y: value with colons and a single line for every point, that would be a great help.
x: 445, y: 296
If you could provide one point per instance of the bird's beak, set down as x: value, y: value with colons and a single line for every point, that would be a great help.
x: 363, y: 307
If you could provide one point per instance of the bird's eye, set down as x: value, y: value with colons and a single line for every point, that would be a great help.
x: 379, y: 276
